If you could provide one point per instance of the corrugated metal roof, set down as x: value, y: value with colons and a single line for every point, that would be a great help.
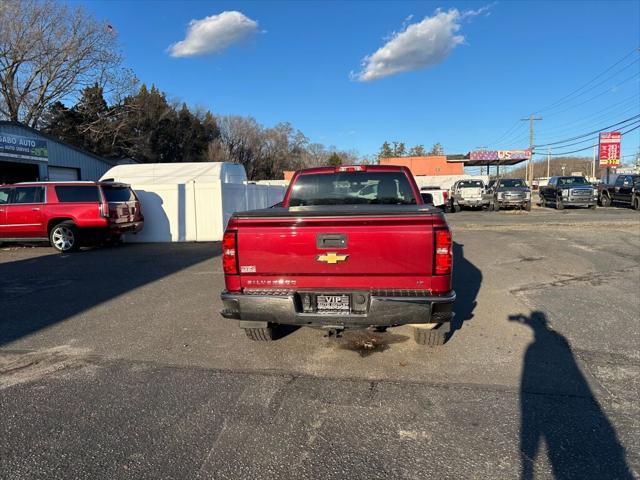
x: 46, y: 136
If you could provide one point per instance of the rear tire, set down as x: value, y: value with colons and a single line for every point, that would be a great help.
x: 543, y: 202
x: 559, y: 204
x: 431, y: 337
x: 636, y: 203
x: 64, y: 237
x: 260, y: 334
x: 605, y: 200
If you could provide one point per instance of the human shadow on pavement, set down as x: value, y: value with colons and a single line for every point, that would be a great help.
x: 559, y: 410
x: 467, y: 279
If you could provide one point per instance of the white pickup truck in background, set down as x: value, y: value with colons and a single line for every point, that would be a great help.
x: 435, y: 196
x: 468, y: 194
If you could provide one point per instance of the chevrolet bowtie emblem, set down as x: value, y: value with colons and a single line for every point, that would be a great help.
x: 332, y: 258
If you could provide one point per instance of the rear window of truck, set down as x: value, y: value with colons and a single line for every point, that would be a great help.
x: 352, y: 188
x: 77, y: 193
x: 118, y: 194
x: 511, y: 183
x: 470, y: 184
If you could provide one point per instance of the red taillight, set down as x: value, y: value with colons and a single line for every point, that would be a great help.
x: 443, y: 253
x: 104, y: 210
x: 445, y: 195
x: 229, y: 254
x: 352, y: 168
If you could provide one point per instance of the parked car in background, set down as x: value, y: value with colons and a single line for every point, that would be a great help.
x: 468, y: 194
x: 439, y: 197
x: 571, y: 190
x: 68, y: 214
x: 351, y: 247
x: 510, y: 192
x: 625, y: 190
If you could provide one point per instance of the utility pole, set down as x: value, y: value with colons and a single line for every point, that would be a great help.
x: 532, y: 118
x: 593, y: 167
x: 548, y: 161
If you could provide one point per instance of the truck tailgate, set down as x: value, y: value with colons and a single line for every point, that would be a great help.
x: 359, y: 251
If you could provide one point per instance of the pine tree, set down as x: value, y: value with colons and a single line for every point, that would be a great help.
x: 334, y: 160
x: 417, y: 151
x: 385, y: 151
x: 437, y: 149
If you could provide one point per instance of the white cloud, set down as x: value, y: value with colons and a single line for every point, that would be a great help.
x: 418, y: 45
x: 213, y: 34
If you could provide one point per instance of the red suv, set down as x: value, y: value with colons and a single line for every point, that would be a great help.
x: 68, y: 213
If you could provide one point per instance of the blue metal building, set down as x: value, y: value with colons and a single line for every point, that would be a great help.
x: 26, y: 154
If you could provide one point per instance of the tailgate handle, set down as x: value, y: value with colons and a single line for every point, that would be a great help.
x: 331, y: 240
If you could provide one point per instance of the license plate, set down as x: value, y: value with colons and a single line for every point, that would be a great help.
x: 333, y: 304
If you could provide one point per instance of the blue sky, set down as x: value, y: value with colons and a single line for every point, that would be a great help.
x: 301, y: 62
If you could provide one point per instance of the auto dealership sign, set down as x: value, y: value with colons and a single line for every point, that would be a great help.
x: 16, y: 146
x: 609, y: 149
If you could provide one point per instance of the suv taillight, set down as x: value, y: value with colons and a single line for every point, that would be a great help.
x: 443, y: 253
x: 445, y: 195
x: 104, y: 210
x: 229, y: 253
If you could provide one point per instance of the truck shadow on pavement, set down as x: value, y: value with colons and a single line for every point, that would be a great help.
x: 41, y: 291
x: 558, y: 409
x: 467, y: 279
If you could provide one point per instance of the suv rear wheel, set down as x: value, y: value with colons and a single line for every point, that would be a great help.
x: 64, y: 237
x: 636, y: 203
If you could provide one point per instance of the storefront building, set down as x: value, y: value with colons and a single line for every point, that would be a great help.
x: 27, y: 154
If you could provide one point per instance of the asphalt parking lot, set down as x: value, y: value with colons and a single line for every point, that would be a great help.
x: 115, y: 364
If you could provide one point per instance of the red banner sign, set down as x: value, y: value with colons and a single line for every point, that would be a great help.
x: 609, y: 149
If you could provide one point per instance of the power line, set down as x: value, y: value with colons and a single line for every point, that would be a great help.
x: 504, y: 135
x: 587, y: 134
x: 588, y: 139
x: 597, y: 116
x: 517, y: 134
x: 556, y: 154
x: 557, y: 102
x: 604, y: 92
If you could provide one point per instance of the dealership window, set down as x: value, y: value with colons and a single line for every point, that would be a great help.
x: 28, y: 195
x: 78, y: 193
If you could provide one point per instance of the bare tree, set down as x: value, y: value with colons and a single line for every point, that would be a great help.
x: 49, y: 52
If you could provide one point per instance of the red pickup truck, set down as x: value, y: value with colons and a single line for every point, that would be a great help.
x: 349, y: 247
x: 67, y: 213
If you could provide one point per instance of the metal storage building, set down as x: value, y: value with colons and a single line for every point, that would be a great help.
x: 26, y: 154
